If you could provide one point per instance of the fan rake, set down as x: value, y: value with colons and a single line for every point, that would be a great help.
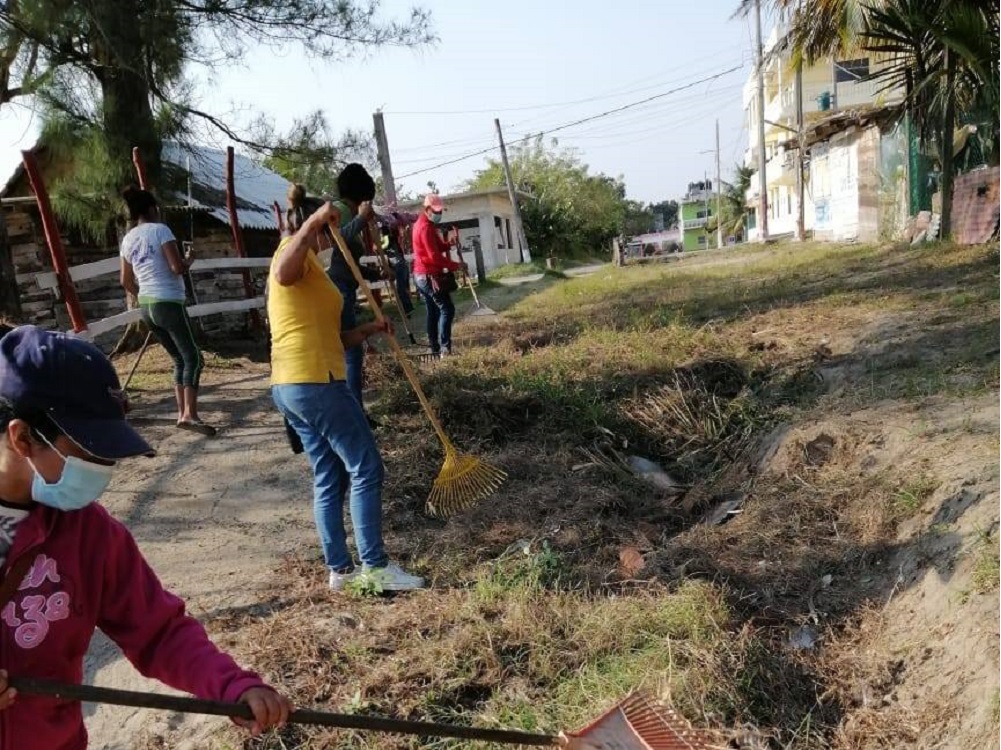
x: 636, y: 723
x: 463, y: 479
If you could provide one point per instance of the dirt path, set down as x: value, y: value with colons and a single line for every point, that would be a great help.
x: 211, y: 516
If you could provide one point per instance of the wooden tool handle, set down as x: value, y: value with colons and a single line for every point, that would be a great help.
x: 469, y: 282
x: 400, y: 355
x: 388, y: 271
x: 92, y: 694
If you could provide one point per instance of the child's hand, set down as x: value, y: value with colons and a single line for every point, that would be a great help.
x: 7, y: 694
x: 270, y: 709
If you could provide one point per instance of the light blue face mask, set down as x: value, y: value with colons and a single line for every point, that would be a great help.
x: 81, y: 483
x: 436, y: 217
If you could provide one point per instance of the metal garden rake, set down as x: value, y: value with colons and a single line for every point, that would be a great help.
x: 636, y: 723
x: 463, y: 478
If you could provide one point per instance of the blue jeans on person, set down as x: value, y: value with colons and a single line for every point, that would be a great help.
x: 343, y: 454
x: 440, y: 311
x: 403, y: 286
x: 355, y: 355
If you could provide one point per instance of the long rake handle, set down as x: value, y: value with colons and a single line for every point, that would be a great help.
x: 135, y: 365
x: 469, y: 283
x: 92, y: 694
x: 387, y: 268
x: 400, y: 355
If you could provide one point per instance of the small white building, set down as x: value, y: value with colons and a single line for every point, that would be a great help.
x: 485, y: 220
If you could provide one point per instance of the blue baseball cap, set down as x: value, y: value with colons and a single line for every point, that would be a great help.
x: 73, y: 383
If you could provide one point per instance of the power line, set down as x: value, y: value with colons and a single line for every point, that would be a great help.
x: 580, y: 121
x: 470, y: 141
x: 596, y: 131
x: 550, y: 105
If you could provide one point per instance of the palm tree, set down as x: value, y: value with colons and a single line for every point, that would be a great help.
x: 733, y: 212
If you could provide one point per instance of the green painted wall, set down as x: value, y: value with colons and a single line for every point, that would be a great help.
x: 690, y: 237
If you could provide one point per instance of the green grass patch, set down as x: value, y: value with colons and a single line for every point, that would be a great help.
x: 910, y: 497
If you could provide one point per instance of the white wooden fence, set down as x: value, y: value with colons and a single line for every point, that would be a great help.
x: 49, y: 280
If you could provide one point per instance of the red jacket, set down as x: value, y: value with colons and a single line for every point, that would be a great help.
x: 88, y: 573
x: 430, y: 250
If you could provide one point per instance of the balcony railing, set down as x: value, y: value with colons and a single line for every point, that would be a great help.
x: 694, y: 223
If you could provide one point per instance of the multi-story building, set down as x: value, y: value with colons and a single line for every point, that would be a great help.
x: 694, y: 211
x: 828, y: 86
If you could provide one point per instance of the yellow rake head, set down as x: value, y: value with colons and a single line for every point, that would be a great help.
x: 461, y: 482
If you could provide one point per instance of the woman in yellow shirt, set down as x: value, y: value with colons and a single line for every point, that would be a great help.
x: 309, y: 387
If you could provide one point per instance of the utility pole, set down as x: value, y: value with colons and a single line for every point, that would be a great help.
x: 762, y: 177
x: 519, y: 228
x: 719, y: 195
x: 382, y: 147
x: 800, y: 152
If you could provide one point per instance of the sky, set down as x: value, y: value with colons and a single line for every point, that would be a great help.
x: 536, y: 65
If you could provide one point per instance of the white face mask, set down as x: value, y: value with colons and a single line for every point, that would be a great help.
x: 80, y: 484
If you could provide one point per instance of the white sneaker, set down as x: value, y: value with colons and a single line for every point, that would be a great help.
x: 391, y: 578
x: 339, y: 580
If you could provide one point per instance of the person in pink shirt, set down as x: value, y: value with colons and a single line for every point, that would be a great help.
x: 434, y: 275
x: 62, y: 432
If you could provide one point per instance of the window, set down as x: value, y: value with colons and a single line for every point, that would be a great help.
x: 850, y: 71
x: 788, y: 203
x: 702, y: 239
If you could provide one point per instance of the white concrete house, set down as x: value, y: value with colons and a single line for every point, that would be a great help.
x: 485, y: 220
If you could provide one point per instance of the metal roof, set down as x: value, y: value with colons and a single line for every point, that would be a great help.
x: 257, y: 188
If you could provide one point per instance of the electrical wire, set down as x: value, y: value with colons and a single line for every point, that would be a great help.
x: 553, y: 105
x: 581, y: 121
x: 601, y: 130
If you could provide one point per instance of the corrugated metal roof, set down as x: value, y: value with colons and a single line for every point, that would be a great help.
x: 257, y: 188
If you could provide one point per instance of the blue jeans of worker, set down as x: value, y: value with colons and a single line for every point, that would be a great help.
x: 440, y: 311
x: 343, y: 454
x: 354, y: 356
x: 403, y: 286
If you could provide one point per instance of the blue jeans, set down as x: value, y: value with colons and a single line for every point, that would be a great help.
x: 343, y: 454
x: 403, y: 286
x: 441, y: 311
x: 355, y: 356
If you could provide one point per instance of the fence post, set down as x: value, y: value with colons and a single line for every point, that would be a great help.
x: 55, y: 242
x: 234, y: 223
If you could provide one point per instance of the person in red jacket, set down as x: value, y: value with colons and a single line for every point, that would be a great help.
x: 62, y: 416
x: 434, y: 275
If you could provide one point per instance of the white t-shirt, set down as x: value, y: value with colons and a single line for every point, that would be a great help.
x: 143, y: 248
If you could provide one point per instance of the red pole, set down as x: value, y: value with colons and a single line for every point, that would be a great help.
x: 137, y: 160
x: 55, y: 242
x: 234, y: 223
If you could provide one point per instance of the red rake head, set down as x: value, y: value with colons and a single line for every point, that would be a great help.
x: 640, y: 723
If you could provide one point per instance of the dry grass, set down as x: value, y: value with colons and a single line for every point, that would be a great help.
x: 531, y: 622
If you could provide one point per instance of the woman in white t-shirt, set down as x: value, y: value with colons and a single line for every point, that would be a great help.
x: 153, y: 270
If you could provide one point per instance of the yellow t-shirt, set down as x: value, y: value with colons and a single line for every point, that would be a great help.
x: 305, y: 320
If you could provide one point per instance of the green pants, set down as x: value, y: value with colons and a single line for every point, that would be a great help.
x: 170, y: 324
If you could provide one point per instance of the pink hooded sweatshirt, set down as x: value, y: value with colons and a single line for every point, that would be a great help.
x: 88, y: 573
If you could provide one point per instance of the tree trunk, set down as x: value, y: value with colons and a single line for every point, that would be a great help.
x: 948, y: 126
x: 127, y: 113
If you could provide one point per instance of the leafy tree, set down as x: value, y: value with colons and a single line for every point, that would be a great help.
x: 733, y: 209
x: 667, y: 209
x: 116, y: 67
x: 571, y: 212
x: 638, y: 219
x: 309, y: 154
